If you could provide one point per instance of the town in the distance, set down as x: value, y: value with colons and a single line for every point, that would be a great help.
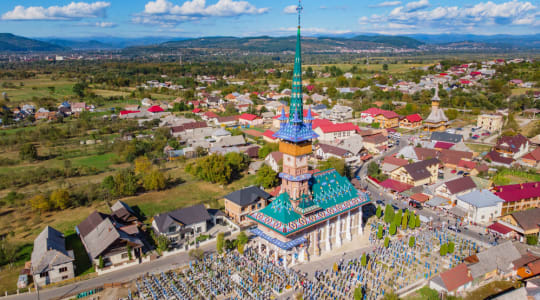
x: 380, y: 168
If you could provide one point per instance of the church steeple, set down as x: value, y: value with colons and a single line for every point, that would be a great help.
x: 296, y: 106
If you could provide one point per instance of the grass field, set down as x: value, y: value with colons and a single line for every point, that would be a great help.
x: 479, y: 148
x: 508, y: 176
x: 38, y: 87
x: 491, y: 289
x: 100, y: 161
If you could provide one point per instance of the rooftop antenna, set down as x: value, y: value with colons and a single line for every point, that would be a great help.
x: 299, y: 9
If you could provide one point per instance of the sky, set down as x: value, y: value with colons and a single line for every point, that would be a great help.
x: 197, y: 18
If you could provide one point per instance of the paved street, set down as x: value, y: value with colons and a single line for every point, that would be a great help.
x: 162, y: 264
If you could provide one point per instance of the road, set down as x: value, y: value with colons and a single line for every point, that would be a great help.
x: 159, y: 265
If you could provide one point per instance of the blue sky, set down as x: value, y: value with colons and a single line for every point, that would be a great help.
x: 194, y: 18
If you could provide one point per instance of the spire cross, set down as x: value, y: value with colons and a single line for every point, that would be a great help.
x: 299, y: 9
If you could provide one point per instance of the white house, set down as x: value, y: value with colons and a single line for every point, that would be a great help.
x: 51, y: 262
x: 182, y: 223
x: 481, y: 206
x: 274, y: 160
x: 333, y: 132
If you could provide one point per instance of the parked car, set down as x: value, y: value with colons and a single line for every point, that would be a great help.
x: 415, y: 204
x: 454, y: 228
x: 460, y: 173
x: 379, y: 202
x: 453, y: 171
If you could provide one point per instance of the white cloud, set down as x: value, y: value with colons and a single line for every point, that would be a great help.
x: 417, y: 5
x: 315, y: 30
x: 72, y: 11
x: 291, y: 9
x: 518, y: 13
x: 387, y: 4
x: 98, y: 24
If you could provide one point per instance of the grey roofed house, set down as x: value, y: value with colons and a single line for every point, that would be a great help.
x: 122, y: 212
x: 185, y: 216
x: 499, y: 257
x: 461, y: 147
x: 247, y: 196
x: 436, y: 201
x: 49, y: 250
x: 418, y: 170
x: 329, y: 149
x: 443, y: 136
x: 460, y: 185
x: 353, y: 144
x: 230, y: 141
x: 483, y: 198
x: 221, y: 133
x: 104, y: 235
x: 407, y: 152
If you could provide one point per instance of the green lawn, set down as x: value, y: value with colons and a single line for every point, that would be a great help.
x: 100, y: 161
x: 38, y: 87
x: 479, y: 148
x: 508, y: 176
x: 82, y: 261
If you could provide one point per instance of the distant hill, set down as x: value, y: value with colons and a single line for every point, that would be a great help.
x: 80, y: 45
x: 13, y: 43
x: 499, y: 40
x: 280, y: 44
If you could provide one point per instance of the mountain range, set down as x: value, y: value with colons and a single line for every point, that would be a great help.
x: 13, y: 43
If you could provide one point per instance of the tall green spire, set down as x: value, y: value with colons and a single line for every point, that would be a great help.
x: 296, y: 107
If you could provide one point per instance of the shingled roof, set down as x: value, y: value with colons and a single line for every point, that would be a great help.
x: 460, y: 185
x: 511, y: 143
x: 247, y: 195
x: 186, y: 216
x: 49, y: 250
x: 418, y: 170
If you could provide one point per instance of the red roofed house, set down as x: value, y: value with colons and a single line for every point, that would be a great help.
x: 532, y: 158
x: 385, y: 118
x: 250, y: 119
x: 196, y: 111
x: 467, y: 166
x: 333, y: 132
x: 443, y: 145
x: 500, y: 229
x: 411, y: 121
x: 512, y: 146
x: 209, y: 115
x: 155, y: 109
x: 452, y: 281
x: 396, y: 186
x: 518, y: 197
x: 268, y: 136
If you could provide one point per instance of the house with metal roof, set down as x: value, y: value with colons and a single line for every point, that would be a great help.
x: 239, y: 204
x: 51, y: 262
x: 453, y: 188
x: 481, y: 206
x: 177, y: 225
x: 418, y: 173
x: 452, y: 281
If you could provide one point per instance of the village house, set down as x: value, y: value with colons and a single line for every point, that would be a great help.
x: 325, y: 151
x: 527, y: 266
x: 443, y: 136
x: 418, y: 173
x: 481, y: 206
x: 411, y: 122
x: 453, y: 281
x: 226, y: 121
x: 532, y: 159
x: 250, y: 119
x: 177, y: 131
x: 391, y: 163
x: 491, y: 123
x: 274, y: 160
x: 181, y: 224
x: 353, y: 144
x: 51, y: 262
x: 78, y: 107
x: 493, y: 262
x: 523, y: 223
x: 456, y: 187
x: 106, y: 239
x: 376, y: 143
x: 268, y: 136
x: 497, y: 159
x: 333, y: 132
x: 240, y: 203
x: 512, y: 146
x: 518, y: 196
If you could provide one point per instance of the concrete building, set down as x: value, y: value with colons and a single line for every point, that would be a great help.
x: 481, y: 206
x: 239, y: 204
x: 491, y: 123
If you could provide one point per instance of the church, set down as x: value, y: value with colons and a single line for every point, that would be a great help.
x: 437, y: 120
x: 314, y: 212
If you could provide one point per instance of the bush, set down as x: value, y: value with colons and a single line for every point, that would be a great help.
x: 386, y: 242
x: 380, y: 232
x: 358, y: 295
x: 393, y: 229
x: 266, y: 177
x: 363, y: 260
x: 220, y: 242
x: 532, y: 239
x: 28, y: 152
x: 444, y: 250
x: 379, y: 212
x: 412, y: 241
x: 388, y: 214
x: 451, y: 247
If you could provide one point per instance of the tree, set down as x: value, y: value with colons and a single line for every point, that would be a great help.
x: 60, y: 198
x: 388, y: 214
x: 358, y: 295
x: 79, y: 89
x: 335, y: 267
x: 154, y: 181
x: 28, y: 152
x: 125, y: 183
x: 451, y: 114
x: 378, y: 213
x: 267, y: 149
x: 380, y: 232
x: 444, y: 250
x: 451, y: 247
x: 397, y: 218
x: 363, y: 260
x: 385, y: 67
x: 8, y: 252
x: 417, y: 221
x: 335, y: 163
x: 197, y: 254
x: 404, y: 221
x: 391, y: 295
x: 386, y: 242
x: 266, y: 177
x: 128, y: 249
x: 101, y: 264
x: 240, y: 248
x: 412, y: 220
x: 213, y: 168
x: 412, y: 241
x: 40, y: 203
x: 242, y: 238
x: 532, y: 239
x: 142, y: 165
x: 220, y: 242
x: 393, y: 229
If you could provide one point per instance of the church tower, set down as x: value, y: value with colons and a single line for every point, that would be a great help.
x: 296, y: 134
